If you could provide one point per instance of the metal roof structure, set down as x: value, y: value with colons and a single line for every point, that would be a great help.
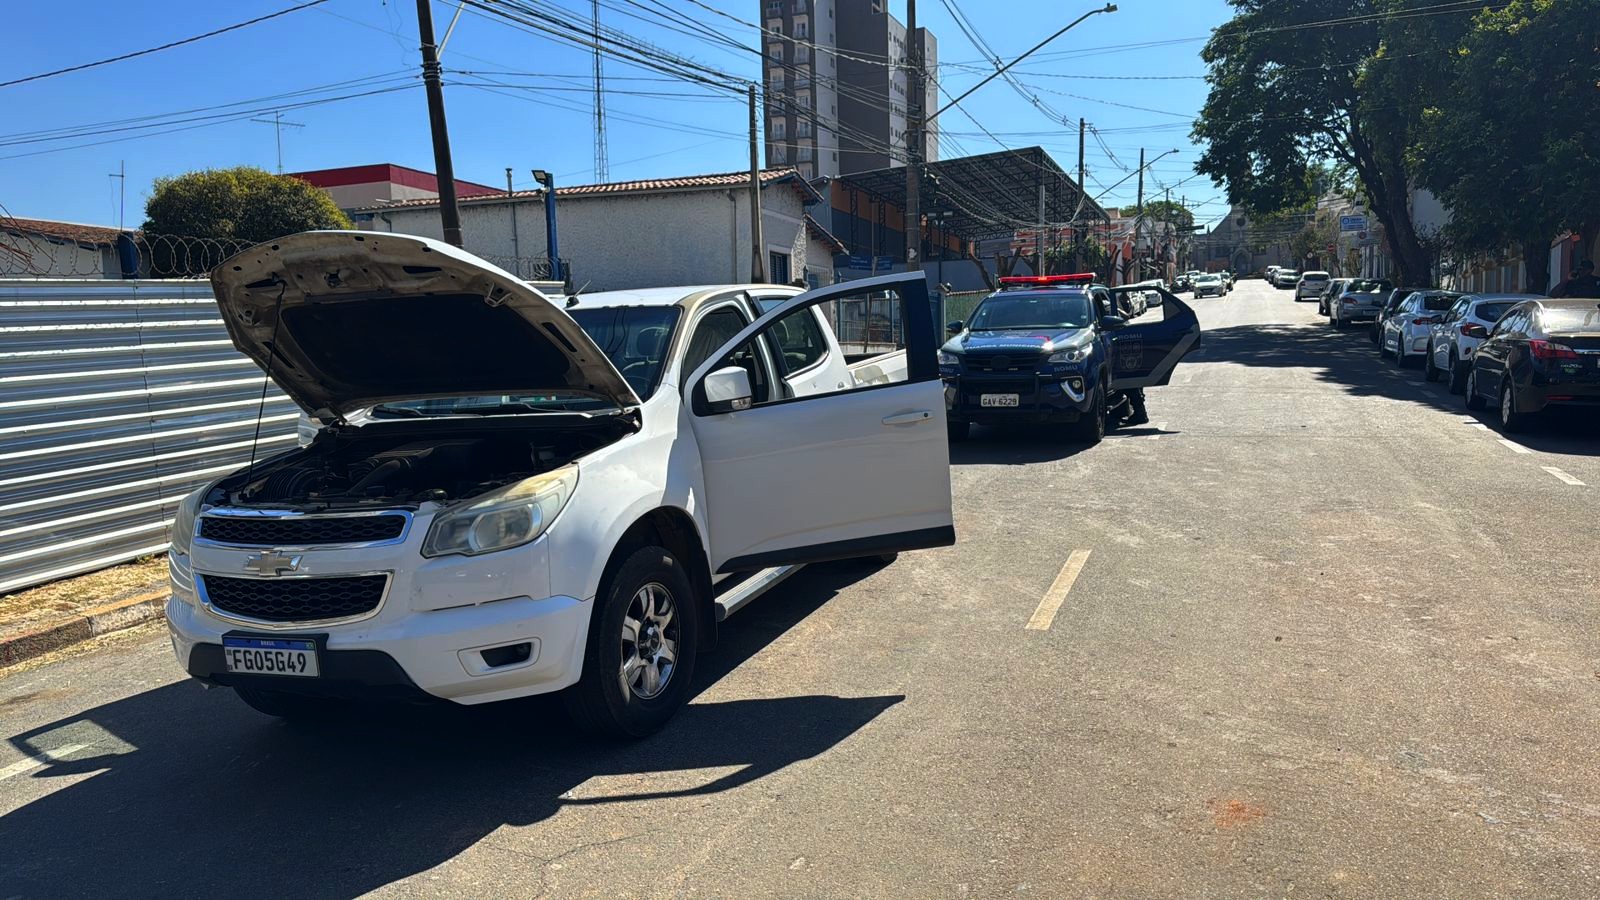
x: 989, y: 195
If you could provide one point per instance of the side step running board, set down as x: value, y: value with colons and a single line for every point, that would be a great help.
x: 751, y: 588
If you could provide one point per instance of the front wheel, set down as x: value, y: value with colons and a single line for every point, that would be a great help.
x: 639, y: 659
x: 1091, y: 425
x: 1430, y: 372
x: 1474, y: 399
x: 1458, y: 375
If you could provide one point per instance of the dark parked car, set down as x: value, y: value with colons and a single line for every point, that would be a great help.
x: 1334, y: 289
x: 1542, y: 353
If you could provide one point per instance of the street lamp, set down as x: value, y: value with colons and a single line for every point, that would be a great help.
x: 552, y: 246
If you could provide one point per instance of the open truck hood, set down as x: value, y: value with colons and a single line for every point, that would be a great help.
x: 350, y: 319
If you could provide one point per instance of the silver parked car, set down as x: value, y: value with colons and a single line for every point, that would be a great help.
x: 1454, y: 338
x: 1360, y: 302
x: 1286, y: 278
x: 1408, y: 330
x: 1209, y: 285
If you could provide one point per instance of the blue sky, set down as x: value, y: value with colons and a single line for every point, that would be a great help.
x: 1132, y: 74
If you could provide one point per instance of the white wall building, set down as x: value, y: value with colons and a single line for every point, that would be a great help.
x: 668, y: 231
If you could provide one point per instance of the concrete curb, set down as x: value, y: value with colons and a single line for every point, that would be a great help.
x: 90, y: 623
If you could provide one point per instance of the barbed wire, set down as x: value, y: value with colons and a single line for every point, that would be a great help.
x: 30, y: 249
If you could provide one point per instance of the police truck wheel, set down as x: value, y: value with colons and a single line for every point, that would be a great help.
x: 1091, y: 425
x: 639, y: 659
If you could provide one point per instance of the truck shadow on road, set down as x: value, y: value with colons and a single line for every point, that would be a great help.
x: 1015, y: 445
x: 187, y: 792
x: 1349, y: 360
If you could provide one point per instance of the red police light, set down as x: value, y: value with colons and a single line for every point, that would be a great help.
x: 1077, y: 278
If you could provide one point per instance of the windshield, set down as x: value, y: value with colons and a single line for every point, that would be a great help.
x: 1568, y: 319
x: 1209, y: 278
x: 1316, y: 276
x: 1057, y: 309
x: 634, y: 338
x: 1491, y: 312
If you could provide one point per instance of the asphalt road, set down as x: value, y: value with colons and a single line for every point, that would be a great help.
x: 1320, y: 633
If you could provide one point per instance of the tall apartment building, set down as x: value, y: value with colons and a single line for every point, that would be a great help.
x: 836, y: 86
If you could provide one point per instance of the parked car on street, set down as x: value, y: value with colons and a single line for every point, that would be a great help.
x: 513, y: 495
x: 1051, y: 349
x: 1388, y: 301
x: 1209, y: 285
x: 1272, y: 274
x: 1454, y: 338
x: 1335, y: 288
x: 1542, y: 353
x: 1408, y: 330
x: 1286, y: 278
x: 1358, y: 302
x: 1311, y: 285
x: 1227, y: 279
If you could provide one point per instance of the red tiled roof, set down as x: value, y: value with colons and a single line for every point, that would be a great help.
x: 686, y: 183
x: 66, y: 231
x: 389, y: 172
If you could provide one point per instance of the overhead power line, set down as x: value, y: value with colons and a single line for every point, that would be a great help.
x: 167, y: 46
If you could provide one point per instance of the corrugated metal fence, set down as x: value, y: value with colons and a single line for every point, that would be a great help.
x: 117, y: 398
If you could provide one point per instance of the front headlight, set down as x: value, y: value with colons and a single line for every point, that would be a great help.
x: 509, y: 517
x: 948, y: 359
x: 183, y: 520
x: 1069, y: 355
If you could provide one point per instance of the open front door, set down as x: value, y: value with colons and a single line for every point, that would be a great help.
x: 857, y: 470
x: 1147, y: 349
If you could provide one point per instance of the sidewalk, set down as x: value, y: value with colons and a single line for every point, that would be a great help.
x: 56, y: 615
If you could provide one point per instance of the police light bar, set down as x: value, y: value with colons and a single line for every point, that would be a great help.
x: 1078, y: 278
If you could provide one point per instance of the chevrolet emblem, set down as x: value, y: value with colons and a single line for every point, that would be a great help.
x: 271, y: 562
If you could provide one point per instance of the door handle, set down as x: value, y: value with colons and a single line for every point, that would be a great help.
x: 908, y: 418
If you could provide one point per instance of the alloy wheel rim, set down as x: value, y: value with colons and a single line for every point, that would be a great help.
x: 1505, y: 404
x: 650, y: 635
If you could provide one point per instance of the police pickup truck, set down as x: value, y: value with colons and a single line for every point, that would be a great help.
x: 1054, y: 349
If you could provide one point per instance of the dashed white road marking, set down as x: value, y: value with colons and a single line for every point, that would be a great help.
x: 22, y: 766
x: 1515, y: 446
x: 1562, y: 475
x: 1053, y: 598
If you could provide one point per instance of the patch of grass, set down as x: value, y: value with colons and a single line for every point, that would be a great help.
x: 59, y: 599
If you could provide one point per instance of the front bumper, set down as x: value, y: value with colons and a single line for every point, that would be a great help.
x: 1040, y: 398
x: 426, y: 637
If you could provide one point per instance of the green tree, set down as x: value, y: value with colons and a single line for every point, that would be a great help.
x: 1164, y: 210
x: 1512, y: 146
x: 1290, y: 94
x: 239, y: 204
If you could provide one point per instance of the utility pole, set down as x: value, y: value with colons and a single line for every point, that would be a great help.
x: 122, y: 202
x: 1082, y: 172
x: 914, y: 92
x: 516, y: 246
x: 602, y: 161
x: 449, y: 214
x: 758, y: 257
x: 1138, y: 219
x: 1038, y: 239
x: 1083, y: 191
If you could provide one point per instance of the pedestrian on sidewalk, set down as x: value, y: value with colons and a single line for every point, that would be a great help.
x: 1582, y: 282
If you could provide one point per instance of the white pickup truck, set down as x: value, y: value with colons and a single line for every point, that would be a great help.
x: 513, y: 494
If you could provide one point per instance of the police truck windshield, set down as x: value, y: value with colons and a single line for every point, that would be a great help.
x: 1013, y: 311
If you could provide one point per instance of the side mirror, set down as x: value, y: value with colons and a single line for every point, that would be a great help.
x: 954, y: 327
x: 728, y: 390
x: 1112, y: 323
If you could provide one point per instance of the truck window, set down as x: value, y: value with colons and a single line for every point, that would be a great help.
x: 800, y: 340
x: 717, y: 328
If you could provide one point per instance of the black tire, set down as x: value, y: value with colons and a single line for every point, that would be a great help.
x: 293, y: 707
x: 1400, y: 360
x: 1430, y: 372
x: 1475, y: 401
x: 1091, y: 426
x: 1336, y: 322
x: 1458, y: 375
x: 1511, y: 421
x: 1375, y: 335
x: 957, y: 430
x: 1383, y: 348
x: 601, y: 703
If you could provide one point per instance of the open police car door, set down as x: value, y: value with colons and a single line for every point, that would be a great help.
x: 1146, y: 350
